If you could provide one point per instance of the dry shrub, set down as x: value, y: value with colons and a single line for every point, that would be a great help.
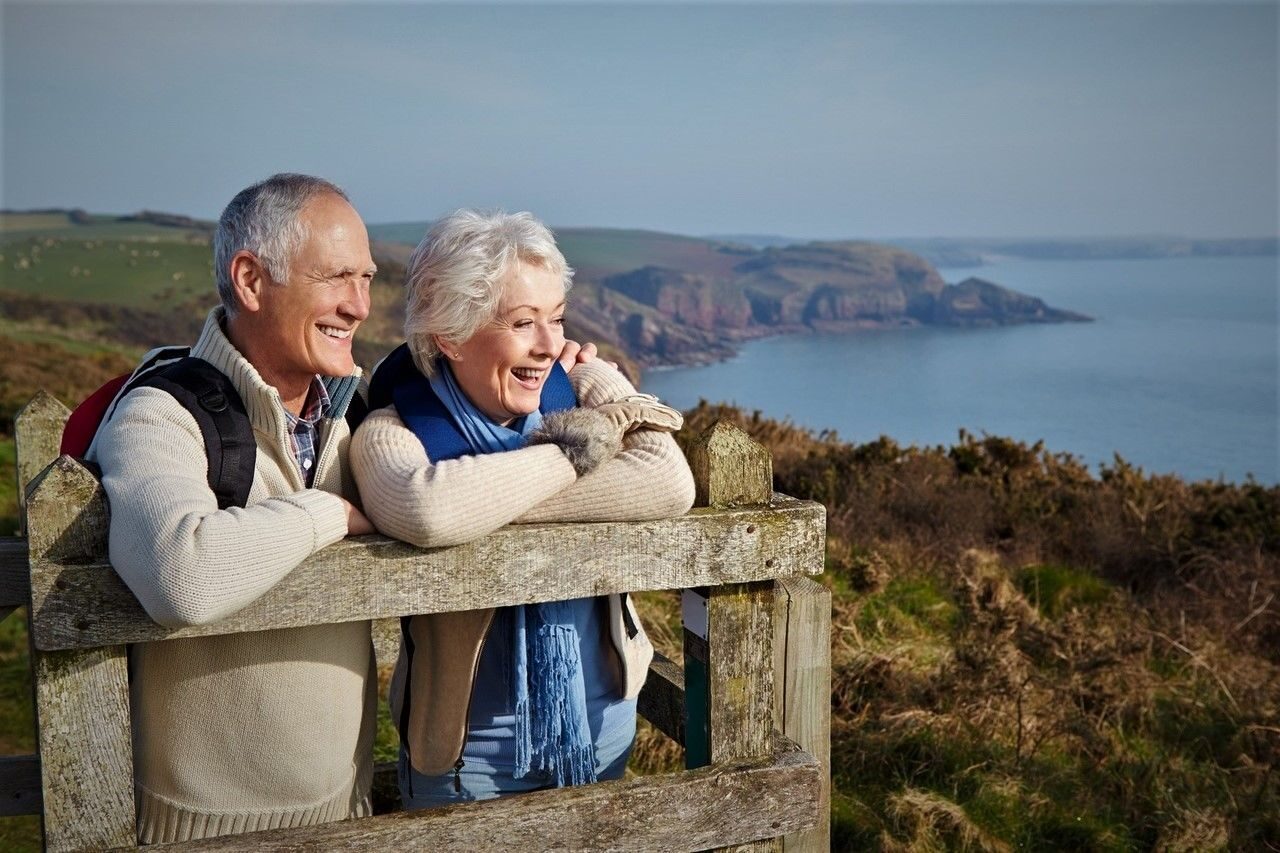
x: 1194, y: 831
x: 933, y: 822
x: 1031, y: 654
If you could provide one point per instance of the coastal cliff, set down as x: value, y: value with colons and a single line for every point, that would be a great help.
x: 663, y: 314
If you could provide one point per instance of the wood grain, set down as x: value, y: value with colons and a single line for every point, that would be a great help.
x: 15, y: 575
x: 37, y: 432
x: 730, y: 468
x: 19, y: 785
x: 722, y: 804
x: 802, y: 695
x: 82, y: 697
x: 79, y: 605
x: 662, y: 698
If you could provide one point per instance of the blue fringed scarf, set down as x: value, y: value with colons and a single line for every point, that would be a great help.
x: 548, y: 689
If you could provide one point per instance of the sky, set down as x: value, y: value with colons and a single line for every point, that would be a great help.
x: 809, y: 121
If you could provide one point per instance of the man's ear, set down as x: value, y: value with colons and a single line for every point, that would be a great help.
x: 249, y: 278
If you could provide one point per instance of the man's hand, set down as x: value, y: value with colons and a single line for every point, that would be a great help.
x: 357, y: 524
x: 575, y: 353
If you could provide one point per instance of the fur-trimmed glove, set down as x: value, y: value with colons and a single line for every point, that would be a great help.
x: 642, y: 411
x: 586, y: 437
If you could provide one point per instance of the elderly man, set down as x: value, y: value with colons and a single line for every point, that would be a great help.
x: 244, y: 732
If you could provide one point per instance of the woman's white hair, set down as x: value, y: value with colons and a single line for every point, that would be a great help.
x: 456, y: 274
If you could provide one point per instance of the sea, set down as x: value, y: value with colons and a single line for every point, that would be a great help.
x: 1177, y: 373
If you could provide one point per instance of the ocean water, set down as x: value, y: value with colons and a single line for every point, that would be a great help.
x: 1177, y: 374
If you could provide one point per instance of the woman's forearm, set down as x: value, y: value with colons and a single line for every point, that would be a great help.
x: 430, y: 504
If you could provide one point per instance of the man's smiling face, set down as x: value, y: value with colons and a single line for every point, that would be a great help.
x: 307, y: 323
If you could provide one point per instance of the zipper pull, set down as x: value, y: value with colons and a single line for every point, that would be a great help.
x: 457, y: 778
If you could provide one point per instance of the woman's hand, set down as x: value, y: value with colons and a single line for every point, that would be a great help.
x: 575, y: 353
x: 357, y: 523
x: 642, y: 411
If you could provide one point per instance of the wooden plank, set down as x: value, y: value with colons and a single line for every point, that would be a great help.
x: 730, y: 468
x: 19, y: 785
x: 729, y: 646
x: 740, y: 648
x: 718, y: 805
x: 82, y: 697
x: 802, y: 694
x: 739, y: 676
x: 662, y: 698
x: 15, y: 576
x: 83, y: 605
x: 37, y: 432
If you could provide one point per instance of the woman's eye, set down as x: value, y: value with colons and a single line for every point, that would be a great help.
x: 559, y: 321
x: 522, y: 324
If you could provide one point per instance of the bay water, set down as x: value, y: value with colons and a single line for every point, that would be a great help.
x: 1178, y: 372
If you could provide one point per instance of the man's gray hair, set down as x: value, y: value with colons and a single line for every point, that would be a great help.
x: 264, y: 219
x: 455, y: 276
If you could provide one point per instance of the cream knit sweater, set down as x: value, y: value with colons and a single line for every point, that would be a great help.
x: 246, y: 731
x: 446, y: 503
x: 434, y: 504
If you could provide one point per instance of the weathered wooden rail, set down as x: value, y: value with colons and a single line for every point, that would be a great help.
x: 757, y: 651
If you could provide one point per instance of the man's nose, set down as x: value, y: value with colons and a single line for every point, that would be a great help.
x: 358, y: 301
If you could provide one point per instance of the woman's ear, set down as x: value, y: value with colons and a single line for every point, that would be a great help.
x: 448, y: 350
x: 249, y: 278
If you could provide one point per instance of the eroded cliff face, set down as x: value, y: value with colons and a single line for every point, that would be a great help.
x: 978, y: 302
x: 665, y: 315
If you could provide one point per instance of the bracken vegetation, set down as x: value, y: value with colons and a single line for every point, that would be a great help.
x: 1030, y: 656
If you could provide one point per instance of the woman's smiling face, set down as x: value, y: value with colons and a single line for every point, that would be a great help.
x: 503, y: 366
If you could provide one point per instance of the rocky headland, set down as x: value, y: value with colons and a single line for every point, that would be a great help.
x: 660, y: 314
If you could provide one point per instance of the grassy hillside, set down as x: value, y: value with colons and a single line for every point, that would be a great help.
x: 598, y: 252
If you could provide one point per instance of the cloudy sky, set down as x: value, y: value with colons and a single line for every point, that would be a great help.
x: 904, y: 119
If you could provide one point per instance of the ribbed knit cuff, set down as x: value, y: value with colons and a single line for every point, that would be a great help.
x: 327, y: 511
x: 597, y: 383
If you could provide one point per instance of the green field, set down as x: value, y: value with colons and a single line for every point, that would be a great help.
x: 144, y: 272
x: 597, y: 252
x: 21, y: 226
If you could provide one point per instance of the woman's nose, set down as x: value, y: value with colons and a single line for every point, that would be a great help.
x: 546, y: 339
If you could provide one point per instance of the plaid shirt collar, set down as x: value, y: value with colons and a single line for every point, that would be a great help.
x: 303, y: 428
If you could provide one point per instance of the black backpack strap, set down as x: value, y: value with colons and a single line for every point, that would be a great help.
x: 357, y: 408
x: 212, y: 400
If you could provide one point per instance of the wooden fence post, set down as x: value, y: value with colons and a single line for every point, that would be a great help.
x: 37, y: 434
x: 802, y: 695
x: 82, y: 697
x: 728, y: 646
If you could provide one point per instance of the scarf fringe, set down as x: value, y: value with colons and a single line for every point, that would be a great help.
x: 552, y: 733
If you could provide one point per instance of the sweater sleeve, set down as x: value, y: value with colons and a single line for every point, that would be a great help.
x: 649, y: 479
x: 429, y: 504
x: 187, y: 561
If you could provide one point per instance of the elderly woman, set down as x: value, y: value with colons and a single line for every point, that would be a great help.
x: 480, y: 426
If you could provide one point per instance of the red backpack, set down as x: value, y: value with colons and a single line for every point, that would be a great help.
x: 205, y: 392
